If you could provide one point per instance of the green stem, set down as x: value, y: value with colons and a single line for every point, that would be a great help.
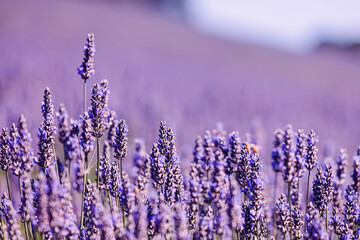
x: 326, y: 220
x: 83, y: 191
x: 307, y: 196
x: 8, y: 184
x: 30, y: 230
x: 98, y: 161
x: 84, y: 93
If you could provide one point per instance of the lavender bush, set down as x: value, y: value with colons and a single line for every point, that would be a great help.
x: 225, y: 195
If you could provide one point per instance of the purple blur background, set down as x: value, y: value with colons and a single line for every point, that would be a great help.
x: 161, y: 68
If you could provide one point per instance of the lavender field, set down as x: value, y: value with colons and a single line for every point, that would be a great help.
x: 179, y: 135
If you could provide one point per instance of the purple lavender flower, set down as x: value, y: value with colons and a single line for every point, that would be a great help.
x: 276, y: 155
x: 339, y: 227
x: 355, y: 175
x: 205, y: 225
x: 105, y: 173
x: 283, y: 213
x: 194, y: 187
x: 14, y: 150
x: 243, y: 168
x: 198, y: 154
x: 297, y: 223
x: 127, y: 198
x: 318, y: 192
x: 140, y: 218
x: 41, y: 204
x: 116, y: 217
x: 164, y: 222
x: 249, y: 215
x: 46, y: 132
x: 315, y: 229
x: 162, y: 142
x: 26, y: 152
x: 120, y: 143
x: 86, y: 140
x: 208, y: 159
x: 219, y: 189
x: 311, y: 151
x: 12, y: 228
x: 86, y: 69
x: 5, y: 162
x: 26, y: 209
x: 64, y: 125
x: 112, y: 122
x: 180, y: 222
x: 169, y: 188
x: 350, y: 208
x: 115, y: 180
x: 140, y: 155
x: 90, y: 202
x: 289, y: 173
x: 96, y: 111
x: 64, y: 222
x: 235, y: 152
x: 157, y: 168
x: 340, y: 180
x: 300, y: 153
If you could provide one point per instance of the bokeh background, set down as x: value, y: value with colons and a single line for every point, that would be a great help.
x: 201, y: 64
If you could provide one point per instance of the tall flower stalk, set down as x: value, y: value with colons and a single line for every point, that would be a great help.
x: 310, y: 160
x: 47, y: 133
x: 120, y: 143
x: 96, y: 114
x: 86, y: 69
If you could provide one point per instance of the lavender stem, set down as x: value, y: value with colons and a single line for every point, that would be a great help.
x: 83, y: 191
x: 98, y: 161
x: 8, y: 184
x: 307, y: 196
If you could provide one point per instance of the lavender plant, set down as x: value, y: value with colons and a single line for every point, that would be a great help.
x: 225, y: 194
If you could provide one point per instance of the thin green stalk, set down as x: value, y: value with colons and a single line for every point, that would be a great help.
x: 30, y: 229
x: 84, y: 93
x: 83, y: 191
x: 326, y: 220
x: 307, y: 196
x: 8, y: 184
x: 98, y: 161
x: 121, y: 168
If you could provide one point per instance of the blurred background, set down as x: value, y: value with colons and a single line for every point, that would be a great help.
x: 202, y: 64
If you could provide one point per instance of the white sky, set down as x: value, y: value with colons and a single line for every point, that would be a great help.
x: 291, y: 25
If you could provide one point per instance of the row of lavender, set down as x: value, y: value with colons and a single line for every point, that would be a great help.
x: 224, y: 197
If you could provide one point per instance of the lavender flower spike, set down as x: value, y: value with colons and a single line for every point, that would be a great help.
x: 283, y: 213
x: 120, y: 142
x: 311, y: 151
x: 5, y: 162
x: 277, y: 163
x: 86, y: 69
x: 47, y: 132
x: 12, y: 228
x: 26, y: 151
x: 96, y: 112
